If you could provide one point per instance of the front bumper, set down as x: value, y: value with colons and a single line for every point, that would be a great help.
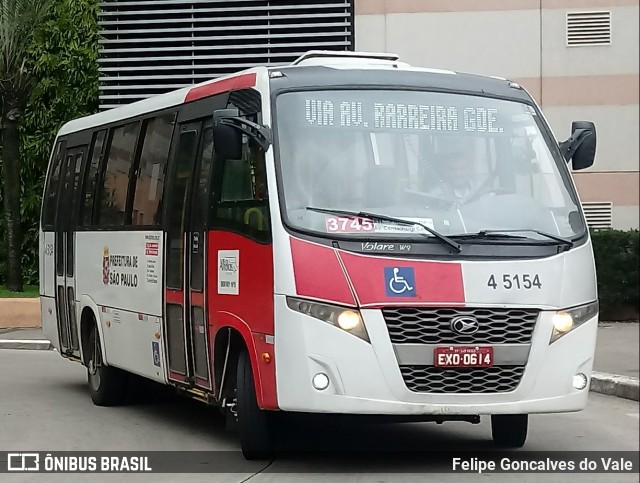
x: 366, y: 378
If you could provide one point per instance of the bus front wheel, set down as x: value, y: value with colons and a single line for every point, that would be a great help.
x: 107, y: 385
x: 509, y: 430
x: 255, y: 426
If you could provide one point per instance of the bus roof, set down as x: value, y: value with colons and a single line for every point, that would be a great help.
x: 162, y: 101
x: 315, y: 68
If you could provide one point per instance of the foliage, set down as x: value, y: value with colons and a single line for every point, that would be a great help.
x: 617, y: 260
x: 30, y: 291
x: 19, y: 23
x: 64, y: 60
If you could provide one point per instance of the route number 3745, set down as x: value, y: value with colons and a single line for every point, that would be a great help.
x: 515, y: 281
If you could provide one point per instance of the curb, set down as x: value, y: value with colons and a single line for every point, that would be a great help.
x: 44, y: 345
x: 614, y: 385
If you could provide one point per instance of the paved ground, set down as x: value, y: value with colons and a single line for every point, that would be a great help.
x: 617, y: 349
x: 44, y: 405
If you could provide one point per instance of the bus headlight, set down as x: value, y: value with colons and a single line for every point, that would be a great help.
x: 349, y: 320
x: 564, y: 321
x: 346, y: 319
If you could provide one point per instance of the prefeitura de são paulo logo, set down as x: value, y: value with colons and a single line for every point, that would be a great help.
x: 105, y: 265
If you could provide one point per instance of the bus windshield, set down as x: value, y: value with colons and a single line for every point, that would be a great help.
x: 459, y: 164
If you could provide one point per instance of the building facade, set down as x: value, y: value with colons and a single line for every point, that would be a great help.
x: 578, y: 58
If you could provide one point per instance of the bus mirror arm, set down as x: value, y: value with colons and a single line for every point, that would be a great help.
x: 570, y: 146
x: 261, y: 134
x: 581, y: 146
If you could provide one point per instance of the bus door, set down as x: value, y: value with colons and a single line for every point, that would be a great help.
x: 65, y: 224
x: 185, y: 319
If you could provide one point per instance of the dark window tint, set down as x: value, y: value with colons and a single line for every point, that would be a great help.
x: 150, y: 176
x: 51, y: 191
x: 242, y: 202
x: 201, y: 196
x: 200, y: 208
x: 97, y: 147
x: 113, y: 201
x: 62, y: 213
x: 177, y: 207
x: 74, y: 197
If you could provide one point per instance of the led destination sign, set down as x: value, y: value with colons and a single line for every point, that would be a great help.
x: 391, y: 115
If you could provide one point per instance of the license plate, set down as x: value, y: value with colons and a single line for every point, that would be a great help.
x: 463, y: 356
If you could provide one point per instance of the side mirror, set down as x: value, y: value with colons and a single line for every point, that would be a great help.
x: 581, y: 146
x: 227, y: 140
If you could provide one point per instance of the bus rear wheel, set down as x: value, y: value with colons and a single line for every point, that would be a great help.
x: 107, y: 385
x: 509, y: 430
x: 255, y: 426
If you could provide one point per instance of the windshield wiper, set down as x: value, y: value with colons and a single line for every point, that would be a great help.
x: 374, y: 216
x: 505, y: 234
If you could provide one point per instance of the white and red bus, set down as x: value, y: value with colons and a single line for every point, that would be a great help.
x: 347, y: 234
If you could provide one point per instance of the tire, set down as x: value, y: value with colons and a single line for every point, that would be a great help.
x: 509, y: 430
x: 107, y: 385
x: 255, y: 426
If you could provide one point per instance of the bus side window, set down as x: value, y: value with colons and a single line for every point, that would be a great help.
x: 241, y: 203
x: 97, y: 149
x: 113, y: 197
x: 51, y: 191
x: 150, y: 172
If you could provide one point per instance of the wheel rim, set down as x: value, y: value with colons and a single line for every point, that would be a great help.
x: 94, y: 366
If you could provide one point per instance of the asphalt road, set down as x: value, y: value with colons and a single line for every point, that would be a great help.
x: 44, y: 406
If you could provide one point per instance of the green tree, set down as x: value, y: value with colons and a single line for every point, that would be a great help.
x: 19, y: 22
x: 64, y: 56
x: 63, y: 62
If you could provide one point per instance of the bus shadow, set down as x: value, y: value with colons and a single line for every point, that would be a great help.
x: 313, y: 443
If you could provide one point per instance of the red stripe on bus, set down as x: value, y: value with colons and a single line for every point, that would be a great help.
x: 318, y: 273
x: 250, y: 312
x: 244, y: 81
x: 434, y: 282
x: 174, y: 296
x: 197, y: 298
x: 266, y: 371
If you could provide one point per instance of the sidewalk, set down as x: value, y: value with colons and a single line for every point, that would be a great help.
x: 20, y: 338
x: 617, y: 348
x: 616, y: 367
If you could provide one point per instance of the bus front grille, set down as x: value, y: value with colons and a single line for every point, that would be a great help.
x: 433, y: 325
x: 436, y: 380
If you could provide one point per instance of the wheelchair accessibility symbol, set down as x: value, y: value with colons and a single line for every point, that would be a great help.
x: 399, y: 282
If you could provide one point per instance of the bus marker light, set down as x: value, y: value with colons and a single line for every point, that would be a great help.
x: 266, y: 357
x: 108, y: 323
x: 579, y: 381
x: 320, y: 381
x: 157, y: 335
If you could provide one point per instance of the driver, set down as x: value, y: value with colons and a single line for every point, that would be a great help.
x: 457, y: 182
